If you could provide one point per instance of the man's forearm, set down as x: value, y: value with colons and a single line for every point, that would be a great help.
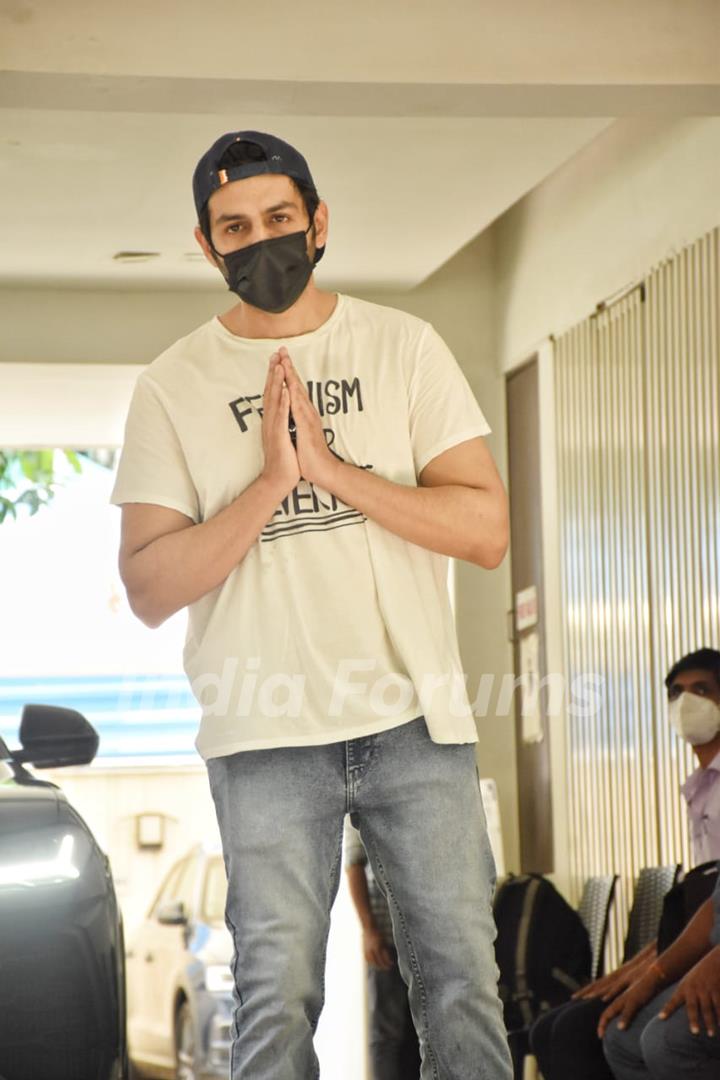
x: 357, y: 882
x: 463, y: 522
x: 180, y: 567
x: 643, y: 957
x: 690, y: 946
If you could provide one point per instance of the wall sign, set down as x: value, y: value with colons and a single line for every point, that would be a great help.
x: 526, y: 608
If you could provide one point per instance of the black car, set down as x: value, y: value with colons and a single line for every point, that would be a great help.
x: 62, y: 977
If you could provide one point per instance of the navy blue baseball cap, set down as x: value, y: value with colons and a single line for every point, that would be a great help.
x: 269, y: 155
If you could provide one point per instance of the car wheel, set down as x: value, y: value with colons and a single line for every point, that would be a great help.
x: 185, y: 1062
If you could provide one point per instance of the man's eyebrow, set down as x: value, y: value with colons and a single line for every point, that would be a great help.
x: 704, y: 683
x: 285, y: 205
x: 244, y: 217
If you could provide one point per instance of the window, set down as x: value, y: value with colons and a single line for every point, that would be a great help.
x: 169, y: 888
x: 186, y: 889
x: 215, y: 892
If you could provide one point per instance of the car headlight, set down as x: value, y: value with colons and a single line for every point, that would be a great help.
x: 218, y: 979
x: 60, y: 867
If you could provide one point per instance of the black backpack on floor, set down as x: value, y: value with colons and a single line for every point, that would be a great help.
x: 542, y: 948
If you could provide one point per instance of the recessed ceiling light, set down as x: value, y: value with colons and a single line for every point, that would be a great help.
x: 135, y: 256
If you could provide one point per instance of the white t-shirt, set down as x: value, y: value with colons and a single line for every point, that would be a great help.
x: 331, y: 627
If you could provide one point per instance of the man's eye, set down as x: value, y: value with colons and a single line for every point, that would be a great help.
x: 235, y: 227
x: 280, y: 217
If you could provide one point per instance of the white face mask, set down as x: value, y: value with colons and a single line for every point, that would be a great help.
x: 696, y: 719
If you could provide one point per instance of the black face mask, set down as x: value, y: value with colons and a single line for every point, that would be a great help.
x: 270, y: 274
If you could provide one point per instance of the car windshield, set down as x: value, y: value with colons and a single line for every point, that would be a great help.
x: 215, y: 891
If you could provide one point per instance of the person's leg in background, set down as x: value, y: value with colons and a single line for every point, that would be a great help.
x: 672, y: 1052
x: 419, y: 810
x: 541, y: 1041
x: 389, y: 1016
x: 410, y: 1054
x: 566, y: 1044
x: 281, y: 815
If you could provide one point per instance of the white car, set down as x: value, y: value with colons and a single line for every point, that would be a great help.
x: 179, y: 983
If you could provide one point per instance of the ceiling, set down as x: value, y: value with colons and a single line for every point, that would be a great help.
x: 422, y: 122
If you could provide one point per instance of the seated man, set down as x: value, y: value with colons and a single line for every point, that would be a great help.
x: 565, y: 1041
x: 666, y: 1025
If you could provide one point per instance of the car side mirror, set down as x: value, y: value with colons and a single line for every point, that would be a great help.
x: 172, y: 914
x: 52, y: 737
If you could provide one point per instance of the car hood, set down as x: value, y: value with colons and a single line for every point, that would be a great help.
x: 24, y: 806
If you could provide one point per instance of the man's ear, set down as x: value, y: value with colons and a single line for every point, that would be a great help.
x: 320, y: 222
x: 206, y: 249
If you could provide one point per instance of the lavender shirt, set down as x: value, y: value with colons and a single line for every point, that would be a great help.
x: 702, y: 793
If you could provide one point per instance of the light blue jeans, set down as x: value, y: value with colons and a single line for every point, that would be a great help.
x: 418, y: 807
x: 654, y: 1049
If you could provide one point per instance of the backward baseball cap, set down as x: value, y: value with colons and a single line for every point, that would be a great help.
x: 272, y: 155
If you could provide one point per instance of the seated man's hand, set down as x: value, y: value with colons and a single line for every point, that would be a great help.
x: 609, y: 986
x: 642, y: 990
x: 377, y: 954
x: 699, y: 992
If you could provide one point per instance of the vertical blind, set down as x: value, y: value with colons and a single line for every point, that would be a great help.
x: 638, y: 446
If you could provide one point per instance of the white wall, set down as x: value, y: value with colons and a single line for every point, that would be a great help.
x: 98, y: 326
x: 640, y: 191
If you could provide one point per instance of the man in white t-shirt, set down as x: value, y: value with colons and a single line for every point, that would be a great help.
x: 295, y: 472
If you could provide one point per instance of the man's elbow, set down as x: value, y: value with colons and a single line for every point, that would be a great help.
x: 492, y: 546
x: 152, y: 619
x: 490, y: 554
x: 141, y: 600
x: 144, y: 610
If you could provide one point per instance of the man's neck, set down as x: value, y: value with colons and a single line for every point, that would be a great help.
x: 707, y: 752
x: 308, y: 313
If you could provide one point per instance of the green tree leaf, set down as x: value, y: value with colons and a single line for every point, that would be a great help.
x: 37, y: 467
